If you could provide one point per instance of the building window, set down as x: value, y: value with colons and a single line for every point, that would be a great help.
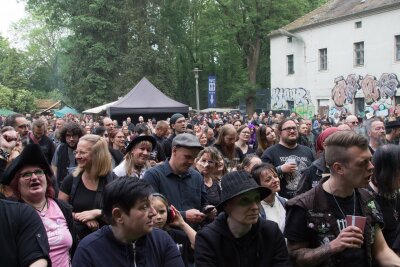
x: 358, y: 24
x: 289, y: 39
x: 290, y: 64
x: 323, y: 59
x: 397, y: 40
x: 359, y: 54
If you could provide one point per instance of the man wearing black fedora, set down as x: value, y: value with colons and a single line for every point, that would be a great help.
x: 238, y: 236
x: 392, y: 131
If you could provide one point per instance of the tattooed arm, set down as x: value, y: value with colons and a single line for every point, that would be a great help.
x: 302, y: 255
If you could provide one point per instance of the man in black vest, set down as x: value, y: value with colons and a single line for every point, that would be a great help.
x: 338, y: 222
x: 63, y: 162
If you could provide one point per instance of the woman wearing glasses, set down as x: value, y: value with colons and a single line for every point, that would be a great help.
x: 29, y: 177
x: 83, y: 189
x: 244, y: 135
x: 207, y: 163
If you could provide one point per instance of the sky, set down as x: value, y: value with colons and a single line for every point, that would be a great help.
x: 10, y: 11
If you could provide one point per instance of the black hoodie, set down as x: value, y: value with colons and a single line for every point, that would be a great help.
x: 263, y: 245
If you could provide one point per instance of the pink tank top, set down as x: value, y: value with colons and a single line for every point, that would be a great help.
x: 60, y: 239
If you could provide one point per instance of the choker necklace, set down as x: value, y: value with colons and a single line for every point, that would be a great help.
x: 337, y: 203
x: 42, y: 211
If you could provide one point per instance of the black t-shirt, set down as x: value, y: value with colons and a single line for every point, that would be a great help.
x: 278, y: 155
x: 391, y: 231
x: 296, y: 229
x: 83, y: 199
x: 213, y: 194
x: 23, y: 238
x: 183, y: 243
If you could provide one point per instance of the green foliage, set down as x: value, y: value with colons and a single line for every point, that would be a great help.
x: 23, y: 101
x: 19, y: 100
x: 104, y: 47
x: 6, y: 97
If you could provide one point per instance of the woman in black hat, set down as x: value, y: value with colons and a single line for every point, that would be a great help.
x: 238, y: 237
x: 29, y: 177
x: 83, y: 189
x: 138, y: 153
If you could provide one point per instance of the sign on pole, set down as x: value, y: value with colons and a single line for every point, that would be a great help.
x: 212, y: 99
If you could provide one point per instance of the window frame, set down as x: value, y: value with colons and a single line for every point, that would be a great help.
x: 290, y: 64
x: 359, y: 54
x: 323, y: 59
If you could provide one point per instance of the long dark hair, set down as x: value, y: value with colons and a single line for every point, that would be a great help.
x: 387, y: 169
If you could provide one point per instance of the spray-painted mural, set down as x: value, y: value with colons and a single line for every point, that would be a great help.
x: 280, y: 96
x: 378, y: 94
x: 305, y: 111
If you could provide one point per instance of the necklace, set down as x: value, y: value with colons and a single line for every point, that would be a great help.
x: 42, y: 211
x: 337, y: 203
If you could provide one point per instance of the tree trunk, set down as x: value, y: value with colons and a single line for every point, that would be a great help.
x: 253, y: 59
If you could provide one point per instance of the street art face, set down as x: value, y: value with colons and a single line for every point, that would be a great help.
x: 280, y: 96
x: 377, y: 94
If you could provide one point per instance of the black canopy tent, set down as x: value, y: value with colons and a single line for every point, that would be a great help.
x: 146, y: 100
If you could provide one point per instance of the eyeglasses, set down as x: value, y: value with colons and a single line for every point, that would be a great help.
x: 83, y: 153
x: 28, y: 175
x: 289, y: 129
x: 210, y: 162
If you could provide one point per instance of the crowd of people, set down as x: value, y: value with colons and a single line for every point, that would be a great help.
x: 201, y: 190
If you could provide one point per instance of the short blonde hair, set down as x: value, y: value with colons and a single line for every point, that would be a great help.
x: 101, y: 157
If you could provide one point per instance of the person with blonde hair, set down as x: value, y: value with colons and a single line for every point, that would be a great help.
x: 83, y: 189
x: 138, y: 153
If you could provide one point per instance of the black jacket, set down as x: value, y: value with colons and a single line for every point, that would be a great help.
x: 264, y: 245
x: 312, y: 176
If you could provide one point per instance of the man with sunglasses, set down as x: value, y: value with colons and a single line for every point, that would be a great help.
x: 289, y: 158
x: 352, y: 121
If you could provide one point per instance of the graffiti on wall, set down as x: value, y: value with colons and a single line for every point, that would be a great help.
x: 281, y: 96
x: 378, y: 94
x: 305, y: 111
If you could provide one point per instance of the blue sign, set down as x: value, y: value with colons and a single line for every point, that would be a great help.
x: 212, y: 99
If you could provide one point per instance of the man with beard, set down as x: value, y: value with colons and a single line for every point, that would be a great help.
x: 352, y: 122
x: 376, y: 133
x: 63, y: 162
x: 20, y: 124
x: 38, y: 136
x: 178, y: 126
x: 225, y: 143
x: 289, y: 158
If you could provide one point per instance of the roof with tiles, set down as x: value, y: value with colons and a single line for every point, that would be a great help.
x: 337, y: 10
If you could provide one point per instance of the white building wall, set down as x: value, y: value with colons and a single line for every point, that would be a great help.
x: 378, y: 32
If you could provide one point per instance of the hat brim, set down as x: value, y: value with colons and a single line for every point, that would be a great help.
x: 392, y: 125
x: 140, y: 139
x: 32, y: 155
x: 264, y: 192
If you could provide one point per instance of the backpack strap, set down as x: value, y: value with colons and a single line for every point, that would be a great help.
x: 75, y: 182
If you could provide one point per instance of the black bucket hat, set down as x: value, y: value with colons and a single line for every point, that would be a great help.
x: 139, y: 139
x: 31, y: 155
x: 236, y: 183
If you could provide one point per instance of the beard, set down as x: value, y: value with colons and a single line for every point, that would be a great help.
x: 290, y: 142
